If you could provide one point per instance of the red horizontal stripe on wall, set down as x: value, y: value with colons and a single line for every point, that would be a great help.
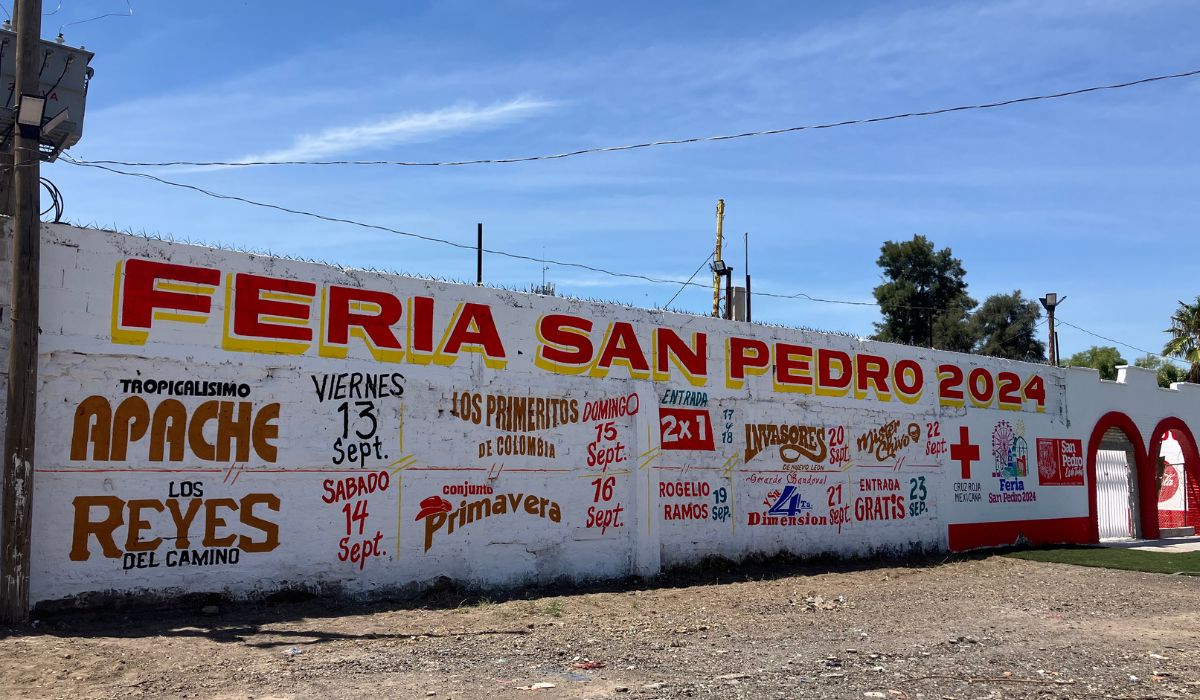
x: 966, y: 536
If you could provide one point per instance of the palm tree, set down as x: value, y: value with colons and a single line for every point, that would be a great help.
x: 1185, y: 337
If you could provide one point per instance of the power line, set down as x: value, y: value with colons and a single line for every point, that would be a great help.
x: 58, y: 9
x: 1168, y: 358
x: 664, y: 142
x: 377, y: 227
x: 129, y: 13
x: 502, y: 253
x: 515, y: 256
x: 44, y: 14
x: 1008, y: 338
x: 1021, y: 332
x: 463, y: 246
x: 434, y: 239
x: 689, y: 281
x: 543, y: 261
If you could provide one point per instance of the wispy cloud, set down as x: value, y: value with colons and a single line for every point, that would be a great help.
x: 410, y: 127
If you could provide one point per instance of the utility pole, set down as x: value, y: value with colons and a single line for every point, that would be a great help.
x: 1053, y: 340
x: 720, y: 269
x: 1051, y: 302
x: 479, y: 255
x: 746, y: 255
x: 19, y: 437
x: 717, y: 264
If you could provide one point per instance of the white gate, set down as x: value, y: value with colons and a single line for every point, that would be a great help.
x: 1115, y: 495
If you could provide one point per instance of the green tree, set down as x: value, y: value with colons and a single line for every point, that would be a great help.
x: 923, y: 298
x: 1104, y: 359
x: 1168, y: 372
x: 1005, y: 325
x: 952, y: 330
x: 1185, y: 337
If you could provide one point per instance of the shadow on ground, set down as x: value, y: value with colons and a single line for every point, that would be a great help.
x: 193, y: 615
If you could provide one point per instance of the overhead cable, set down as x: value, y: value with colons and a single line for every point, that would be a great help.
x: 127, y: 13
x: 1020, y: 332
x: 467, y: 246
x: 664, y: 142
x: 433, y: 239
x: 1168, y: 358
x: 688, y: 282
x: 377, y: 227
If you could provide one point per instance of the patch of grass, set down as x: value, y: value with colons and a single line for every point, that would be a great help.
x: 554, y: 608
x: 474, y: 604
x: 1116, y: 558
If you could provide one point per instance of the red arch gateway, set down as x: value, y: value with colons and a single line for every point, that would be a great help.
x: 1191, y: 461
x: 1147, y: 493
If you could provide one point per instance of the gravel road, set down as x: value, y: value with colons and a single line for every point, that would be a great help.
x: 983, y: 627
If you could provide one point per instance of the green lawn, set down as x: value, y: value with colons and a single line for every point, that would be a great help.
x: 1116, y: 558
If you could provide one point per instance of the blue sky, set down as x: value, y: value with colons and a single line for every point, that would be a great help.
x: 1092, y: 196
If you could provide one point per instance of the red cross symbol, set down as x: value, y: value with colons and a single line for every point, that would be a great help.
x: 964, y: 452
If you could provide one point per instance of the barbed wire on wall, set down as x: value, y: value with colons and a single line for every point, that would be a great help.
x: 518, y: 256
x: 105, y: 165
x: 443, y: 241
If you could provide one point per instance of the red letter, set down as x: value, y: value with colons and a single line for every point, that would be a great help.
x: 474, y: 331
x: 909, y: 380
x: 373, y: 325
x: 827, y: 384
x: 871, y: 371
x: 140, y: 294
x: 563, y: 344
x: 793, y: 368
x: 250, y: 307
x: 420, y: 330
x: 742, y: 355
x: 621, y: 346
x: 693, y: 362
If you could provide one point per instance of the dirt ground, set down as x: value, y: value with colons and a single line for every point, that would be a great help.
x: 969, y: 628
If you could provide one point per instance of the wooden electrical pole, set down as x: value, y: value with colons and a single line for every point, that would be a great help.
x: 717, y: 258
x: 1050, y: 302
x: 1053, y: 340
x: 16, y: 503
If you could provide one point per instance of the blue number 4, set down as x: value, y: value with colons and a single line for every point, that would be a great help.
x: 788, y: 502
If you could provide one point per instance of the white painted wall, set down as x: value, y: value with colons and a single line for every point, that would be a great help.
x: 848, y: 501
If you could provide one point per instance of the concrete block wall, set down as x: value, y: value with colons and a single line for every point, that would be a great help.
x: 217, y: 421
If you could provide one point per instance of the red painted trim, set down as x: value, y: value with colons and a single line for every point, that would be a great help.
x: 107, y: 471
x: 1191, y: 460
x: 1147, y: 493
x: 255, y: 470
x: 964, y: 536
x: 790, y: 471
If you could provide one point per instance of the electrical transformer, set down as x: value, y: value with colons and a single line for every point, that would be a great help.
x: 63, y: 78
